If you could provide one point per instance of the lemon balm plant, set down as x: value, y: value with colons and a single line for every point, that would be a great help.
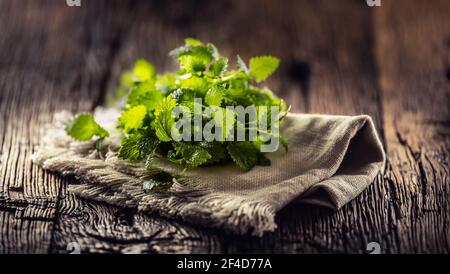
x: 154, y: 103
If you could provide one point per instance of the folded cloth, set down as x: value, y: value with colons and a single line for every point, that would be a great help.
x: 331, y: 160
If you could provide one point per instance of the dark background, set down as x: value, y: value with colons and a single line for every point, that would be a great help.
x: 338, y: 57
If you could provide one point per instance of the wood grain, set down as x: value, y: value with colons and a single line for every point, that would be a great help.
x: 340, y: 57
x: 413, y: 57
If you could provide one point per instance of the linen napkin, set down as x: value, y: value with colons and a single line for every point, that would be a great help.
x: 330, y: 161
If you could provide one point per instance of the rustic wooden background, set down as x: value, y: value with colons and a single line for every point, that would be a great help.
x: 338, y: 57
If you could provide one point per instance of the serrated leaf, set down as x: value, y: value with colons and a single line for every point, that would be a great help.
x: 164, y: 120
x: 84, y: 128
x: 145, y: 94
x: 192, y: 63
x: 214, y: 51
x: 166, y: 83
x: 262, y: 67
x: 198, y: 85
x: 193, y: 156
x: 219, y: 66
x: 133, y: 118
x: 193, y: 58
x: 244, y: 154
x: 137, y: 146
x: 214, y: 97
x: 217, y: 151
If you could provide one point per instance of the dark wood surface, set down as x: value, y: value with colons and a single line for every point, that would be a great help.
x: 338, y: 57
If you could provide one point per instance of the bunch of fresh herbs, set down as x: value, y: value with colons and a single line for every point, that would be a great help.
x: 150, y: 98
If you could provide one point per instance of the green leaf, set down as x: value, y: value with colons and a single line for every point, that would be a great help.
x: 263, y: 160
x: 284, y: 142
x: 219, y: 67
x: 133, y: 118
x: 217, y: 151
x: 214, y: 51
x: 166, y: 83
x: 193, y: 42
x: 214, y: 97
x: 137, y: 146
x: 145, y: 94
x: 143, y: 70
x: 114, y: 99
x: 195, y: 83
x: 164, y: 120
x: 262, y: 67
x: 244, y: 154
x: 194, y: 56
x: 84, y: 127
x: 126, y: 79
x: 193, y: 156
x: 158, y: 183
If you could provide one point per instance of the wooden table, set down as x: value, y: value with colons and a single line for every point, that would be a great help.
x: 338, y: 57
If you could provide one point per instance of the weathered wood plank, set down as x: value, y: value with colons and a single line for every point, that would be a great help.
x: 51, y: 59
x: 413, y: 50
x: 335, y: 39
